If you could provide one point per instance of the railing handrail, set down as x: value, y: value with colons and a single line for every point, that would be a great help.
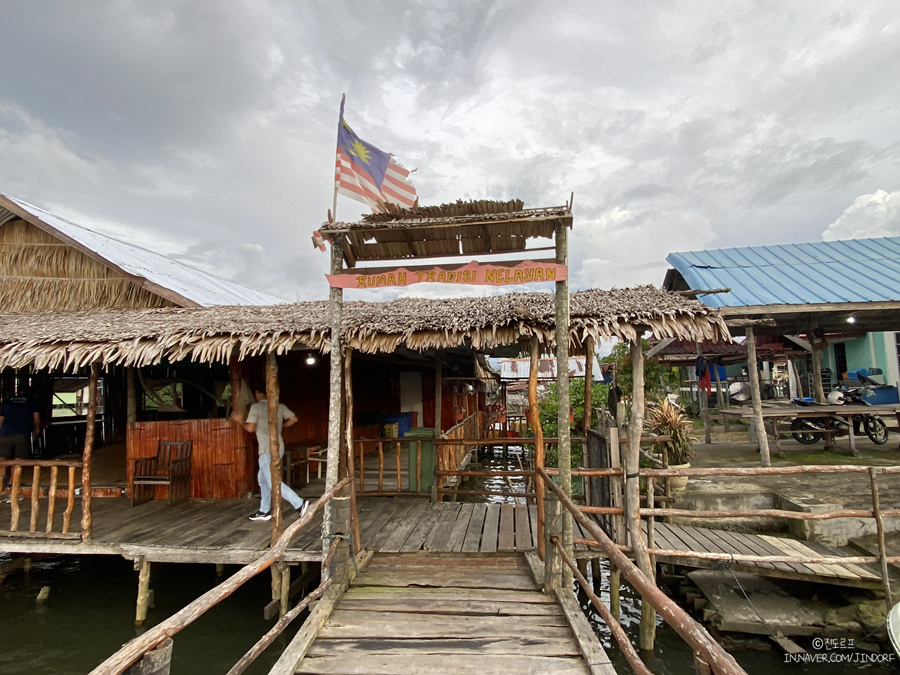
x: 681, y: 622
x: 743, y: 470
x: 77, y: 463
x: 132, y: 651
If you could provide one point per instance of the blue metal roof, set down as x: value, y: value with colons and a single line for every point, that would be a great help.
x: 853, y: 270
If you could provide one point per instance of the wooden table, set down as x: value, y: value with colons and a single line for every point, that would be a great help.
x: 845, y: 412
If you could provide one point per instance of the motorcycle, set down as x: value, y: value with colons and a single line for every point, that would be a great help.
x: 810, y: 430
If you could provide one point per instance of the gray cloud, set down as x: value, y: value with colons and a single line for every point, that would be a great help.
x: 207, y: 129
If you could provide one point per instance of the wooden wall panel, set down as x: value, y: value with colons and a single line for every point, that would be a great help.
x: 221, y: 456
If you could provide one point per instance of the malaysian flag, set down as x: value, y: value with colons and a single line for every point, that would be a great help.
x: 367, y: 174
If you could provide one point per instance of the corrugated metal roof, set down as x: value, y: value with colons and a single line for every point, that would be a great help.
x: 195, y: 286
x: 854, y: 270
x: 515, y: 369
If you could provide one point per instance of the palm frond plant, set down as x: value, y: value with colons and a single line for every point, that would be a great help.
x: 666, y: 419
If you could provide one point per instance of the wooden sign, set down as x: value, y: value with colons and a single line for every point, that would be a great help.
x: 471, y: 274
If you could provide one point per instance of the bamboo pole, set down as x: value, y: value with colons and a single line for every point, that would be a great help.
x: 130, y: 395
x: 534, y: 414
x: 882, y: 549
x: 87, y: 519
x: 761, y: 437
x: 648, y: 615
x: 681, y: 622
x: 564, y: 450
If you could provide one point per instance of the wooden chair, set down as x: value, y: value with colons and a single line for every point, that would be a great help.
x: 171, y: 467
x: 318, y: 455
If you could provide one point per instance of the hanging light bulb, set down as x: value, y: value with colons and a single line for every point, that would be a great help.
x: 310, y: 359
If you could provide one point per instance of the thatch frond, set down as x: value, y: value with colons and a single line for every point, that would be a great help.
x: 146, y: 336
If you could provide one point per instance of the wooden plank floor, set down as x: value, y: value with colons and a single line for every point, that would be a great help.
x: 429, y: 614
x: 684, y: 538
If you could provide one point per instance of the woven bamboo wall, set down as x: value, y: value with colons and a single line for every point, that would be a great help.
x: 223, y: 461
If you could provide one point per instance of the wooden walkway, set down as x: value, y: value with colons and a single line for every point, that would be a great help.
x: 218, y: 531
x: 701, y: 539
x: 419, y: 614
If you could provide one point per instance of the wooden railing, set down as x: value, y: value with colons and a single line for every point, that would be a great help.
x: 443, y: 475
x: 875, y: 513
x: 39, y: 495
x: 137, y: 648
x: 364, y: 446
x: 716, y: 659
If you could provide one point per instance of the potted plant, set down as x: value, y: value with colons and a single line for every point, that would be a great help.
x: 667, y: 419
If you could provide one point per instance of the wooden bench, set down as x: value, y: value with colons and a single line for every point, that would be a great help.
x: 170, y: 467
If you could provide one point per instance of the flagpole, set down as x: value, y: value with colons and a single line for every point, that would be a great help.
x: 340, y: 122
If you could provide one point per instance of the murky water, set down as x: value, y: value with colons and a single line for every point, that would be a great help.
x: 90, y: 614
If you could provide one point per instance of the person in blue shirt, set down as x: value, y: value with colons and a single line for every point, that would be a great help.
x: 20, y: 420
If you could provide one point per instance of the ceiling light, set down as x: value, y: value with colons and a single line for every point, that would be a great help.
x: 310, y: 359
x: 851, y: 319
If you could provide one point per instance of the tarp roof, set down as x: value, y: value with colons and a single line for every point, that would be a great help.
x: 177, y: 282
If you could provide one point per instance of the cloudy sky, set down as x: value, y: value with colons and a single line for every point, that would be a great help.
x: 206, y: 129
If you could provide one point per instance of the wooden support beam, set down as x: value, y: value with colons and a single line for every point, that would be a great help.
x: 143, y: 596
x: 534, y: 415
x: 333, y: 522
x: 87, y: 520
x: 764, y: 457
x: 564, y: 450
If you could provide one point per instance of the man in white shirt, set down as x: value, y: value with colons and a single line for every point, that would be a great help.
x: 258, y: 421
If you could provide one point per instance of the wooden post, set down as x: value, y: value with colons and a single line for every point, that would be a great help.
x: 538, y: 441
x: 564, y: 447
x: 234, y: 368
x: 882, y: 550
x: 720, y: 397
x: 130, y: 396
x: 333, y: 522
x: 87, y: 520
x: 704, y: 403
x: 553, y: 563
x: 348, y: 426
x: 588, y: 384
x: 438, y: 395
x: 273, y: 395
x: 632, y: 477
x: 648, y: 615
x: 818, y: 392
x: 143, y: 596
x: 761, y: 437
x: 285, y: 587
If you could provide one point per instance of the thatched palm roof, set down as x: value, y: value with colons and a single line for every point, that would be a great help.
x: 463, y: 228
x: 145, y: 336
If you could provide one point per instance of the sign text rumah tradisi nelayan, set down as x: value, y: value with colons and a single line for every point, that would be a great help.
x: 471, y: 274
